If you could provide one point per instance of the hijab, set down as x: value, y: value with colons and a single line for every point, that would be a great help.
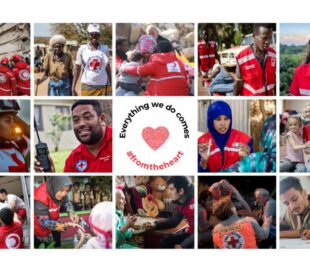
x: 55, y: 184
x: 215, y: 110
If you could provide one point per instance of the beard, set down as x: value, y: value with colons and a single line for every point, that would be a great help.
x: 95, y: 135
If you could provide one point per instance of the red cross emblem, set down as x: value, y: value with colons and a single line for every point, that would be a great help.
x: 81, y: 165
x: 94, y: 64
x: 233, y: 241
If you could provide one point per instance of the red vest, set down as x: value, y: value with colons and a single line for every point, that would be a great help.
x: 257, y: 81
x: 21, y: 71
x: 11, y: 236
x: 41, y: 194
x: 188, y: 213
x: 236, y: 236
x: 231, y: 150
x: 7, y: 82
x: 301, y: 81
x: 206, y: 53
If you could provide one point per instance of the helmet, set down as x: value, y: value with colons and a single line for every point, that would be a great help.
x: 4, y: 61
x: 9, y: 106
x: 16, y: 57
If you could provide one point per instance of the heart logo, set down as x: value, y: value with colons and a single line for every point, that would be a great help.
x: 155, y: 138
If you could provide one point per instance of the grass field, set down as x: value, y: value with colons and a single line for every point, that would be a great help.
x: 59, y: 159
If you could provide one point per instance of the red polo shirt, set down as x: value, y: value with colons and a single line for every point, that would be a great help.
x: 301, y: 81
x: 81, y: 160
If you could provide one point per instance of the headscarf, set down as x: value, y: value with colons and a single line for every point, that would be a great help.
x: 146, y: 44
x: 215, y: 110
x: 55, y: 184
x: 100, y: 220
x: 57, y: 39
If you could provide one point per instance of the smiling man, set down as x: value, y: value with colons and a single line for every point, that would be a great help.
x: 94, y: 154
x: 297, y: 214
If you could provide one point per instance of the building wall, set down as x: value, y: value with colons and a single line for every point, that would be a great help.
x: 14, y: 39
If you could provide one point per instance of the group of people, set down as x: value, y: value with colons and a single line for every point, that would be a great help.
x: 297, y: 143
x: 14, y: 76
x: 182, y: 192
x: 49, y: 198
x: 225, y: 219
x: 153, y: 67
x: 93, y: 60
x: 255, y: 70
x: 226, y: 149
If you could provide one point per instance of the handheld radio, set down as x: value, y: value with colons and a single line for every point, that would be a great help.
x: 42, y: 152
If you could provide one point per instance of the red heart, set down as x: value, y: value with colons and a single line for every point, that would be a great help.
x: 155, y: 138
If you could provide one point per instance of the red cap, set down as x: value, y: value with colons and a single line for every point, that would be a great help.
x: 16, y: 57
x: 4, y: 61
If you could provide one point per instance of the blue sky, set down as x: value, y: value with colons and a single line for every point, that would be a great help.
x: 42, y: 30
x: 294, y: 33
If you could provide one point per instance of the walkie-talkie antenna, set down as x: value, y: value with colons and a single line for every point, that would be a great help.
x: 36, y: 128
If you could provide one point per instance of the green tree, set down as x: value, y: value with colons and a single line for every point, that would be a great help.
x: 78, y: 32
x: 59, y: 122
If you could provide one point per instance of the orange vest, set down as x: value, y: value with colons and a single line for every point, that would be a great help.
x: 206, y: 53
x: 236, y: 236
x: 216, y: 161
x: 257, y: 81
x: 41, y: 194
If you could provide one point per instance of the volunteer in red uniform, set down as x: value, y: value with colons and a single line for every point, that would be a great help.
x: 183, y: 197
x: 14, y: 146
x: 7, y: 79
x: 48, y: 198
x: 167, y: 74
x: 94, y: 154
x: 207, y: 53
x: 11, y: 232
x: 222, y: 146
x: 256, y: 65
x: 300, y: 85
x: 21, y: 71
x: 234, y: 232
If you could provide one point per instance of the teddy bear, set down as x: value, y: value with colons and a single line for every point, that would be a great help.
x: 159, y: 187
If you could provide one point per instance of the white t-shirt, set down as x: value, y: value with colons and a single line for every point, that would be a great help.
x: 19, y: 203
x: 94, y: 63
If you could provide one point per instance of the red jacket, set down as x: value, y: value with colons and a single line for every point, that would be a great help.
x: 206, y: 52
x: 41, y: 194
x: 257, y: 81
x: 21, y: 71
x: 236, y: 236
x: 11, y: 236
x: 7, y: 82
x: 301, y: 81
x: 188, y: 213
x: 216, y: 162
x: 168, y: 75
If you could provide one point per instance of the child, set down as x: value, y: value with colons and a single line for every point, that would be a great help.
x: 306, y: 116
x: 11, y: 232
x: 128, y: 84
x: 14, y: 138
x: 100, y: 220
x: 294, y: 159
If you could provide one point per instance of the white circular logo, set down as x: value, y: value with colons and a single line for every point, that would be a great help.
x: 81, y: 165
x: 233, y: 240
x: 94, y: 63
x: 2, y: 78
x: 12, y: 241
x: 24, y: 75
